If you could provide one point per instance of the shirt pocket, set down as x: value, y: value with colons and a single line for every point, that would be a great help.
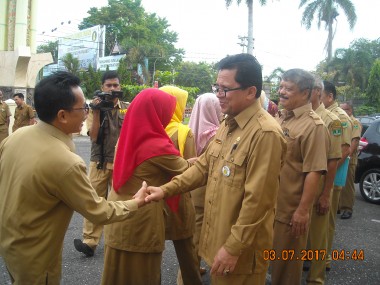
x: 215, y: 153
x: 233, y: 170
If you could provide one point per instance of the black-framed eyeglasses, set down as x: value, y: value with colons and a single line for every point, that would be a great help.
x: 85, y: 108
x: 216, y: 89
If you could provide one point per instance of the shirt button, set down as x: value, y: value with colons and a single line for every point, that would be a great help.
x: 232, y: 159
x: 229, y: 134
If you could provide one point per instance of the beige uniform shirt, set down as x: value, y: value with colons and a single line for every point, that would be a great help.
x: 144, y: 231
x: 23, y: 115
x: 356, y: 134
x: 241, y: 167
x: 4, y: 114
x: 39, y: 190
x: 181, y: 224
x: 307, y: 150
x: 334, y: 127
x: 345, y: 121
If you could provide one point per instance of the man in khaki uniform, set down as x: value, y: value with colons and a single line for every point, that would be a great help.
x: 24, y: 114
x: 37, y: 199
x: 104, y: 127
x: 347, y: 197
x: 4, y: 118
x: 306, y: 160
x: 318, y: 229
x: 329, y: 100
x: 241, y: 167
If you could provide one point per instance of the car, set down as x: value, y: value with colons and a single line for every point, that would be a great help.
x: 368, y: 167
x: 365, y: 121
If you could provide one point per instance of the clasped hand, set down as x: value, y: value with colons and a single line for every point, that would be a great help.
x: 146, y: 194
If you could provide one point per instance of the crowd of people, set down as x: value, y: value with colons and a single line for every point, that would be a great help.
x: 250, y: 188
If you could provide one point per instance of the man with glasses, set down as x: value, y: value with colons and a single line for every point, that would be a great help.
x: 241, y: 168
x: 104, y: 128
x: 42, y: 187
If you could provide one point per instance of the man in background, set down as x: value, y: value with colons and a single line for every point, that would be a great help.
x: 347, y: 197
x: 104, y: 124
x: 306, y: 160
x: 4, y: 118
x: 24, y: 114
x: 42, y: 187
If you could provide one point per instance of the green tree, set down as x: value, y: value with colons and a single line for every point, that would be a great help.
x: 327, y: 11
x: 140, y: 34
x: 71, y: 63
x: 250, y: 20
x: 373, y: 90
x: 91, y: 81
x: 51, y: 47
x: 201, y: 75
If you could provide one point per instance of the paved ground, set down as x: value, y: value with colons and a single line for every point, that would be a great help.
x: 362, y: 232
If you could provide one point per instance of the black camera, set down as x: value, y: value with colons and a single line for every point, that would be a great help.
x: 106, y: 98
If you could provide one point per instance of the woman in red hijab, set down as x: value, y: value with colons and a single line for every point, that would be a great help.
x: 133, y: 248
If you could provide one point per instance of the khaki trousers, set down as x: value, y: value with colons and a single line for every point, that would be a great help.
x: 188, y: 262
x: 332, y: 220
x: 287, y: 272
x: 134, y: 268
x: 101, y: 181
x: 347, y: 197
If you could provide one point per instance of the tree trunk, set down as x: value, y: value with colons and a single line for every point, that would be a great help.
x: 329, y: 41
x: 250, y: 27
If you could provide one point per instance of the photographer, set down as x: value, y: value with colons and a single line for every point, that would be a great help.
x: 104, y: 124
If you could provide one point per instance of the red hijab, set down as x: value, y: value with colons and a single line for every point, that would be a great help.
x: 143, y: 133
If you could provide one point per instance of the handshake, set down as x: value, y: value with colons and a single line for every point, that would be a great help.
x: 146, y: 194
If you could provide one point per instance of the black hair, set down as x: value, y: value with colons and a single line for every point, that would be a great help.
x: 54, y: 93
x: 110, y: 74
x: 19, y: 95
x: 302, y: 78
x: 248, y: 70
x: 330, y: 88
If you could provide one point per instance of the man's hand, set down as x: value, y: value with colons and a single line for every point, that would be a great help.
x: 155, y: 194
x: 323, y: 205
x: 299, y: 222
x: 224, y: 263
x: 192, y: 160
x: 141, y: 195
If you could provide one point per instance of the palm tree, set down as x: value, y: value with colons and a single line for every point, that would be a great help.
x: 71, y: 63
x: 327, y: 12
x: 250, y: 20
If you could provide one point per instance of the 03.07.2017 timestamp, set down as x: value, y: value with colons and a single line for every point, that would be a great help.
x: 291, y: 254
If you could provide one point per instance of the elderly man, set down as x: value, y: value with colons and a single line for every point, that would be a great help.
x: 40, y: 188
x: 241, y: 168
x: 306, y: 160
x: 4, y: 118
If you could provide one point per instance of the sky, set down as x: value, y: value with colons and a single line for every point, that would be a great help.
x: 208, y: 31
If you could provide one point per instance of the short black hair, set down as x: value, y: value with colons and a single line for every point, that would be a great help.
x: 19, y: 95
x: 248, y: 70
x: 302, y: 78
x: 330, y: 88
x: 54, y: 93
x: 110, y: 74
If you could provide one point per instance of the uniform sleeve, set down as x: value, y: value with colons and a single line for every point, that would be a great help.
x: 171, y: 164
x: 356, y: 129
x: 260, y: 191
x: 335, y: 133
x: 30, y: 112
x: 190, y: 150
x: 77, y: 193
x: 8, y: 111
x: 314, y: 149
x: 346, y: 130
x: 192, y: 178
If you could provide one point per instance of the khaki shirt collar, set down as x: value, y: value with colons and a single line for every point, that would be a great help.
x: 333, y: 106
x: 320, y: 108
x: 297, y: 112
x: 22, y: 105
x: 118, y: 104
x: 244, y: 116
x: 53, y: 131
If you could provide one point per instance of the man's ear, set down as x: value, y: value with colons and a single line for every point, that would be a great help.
x: 62, y: 116
x: 252, y: 92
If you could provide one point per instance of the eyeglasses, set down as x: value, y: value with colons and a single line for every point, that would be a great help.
x: 216, y: 89
x: 85, y: 108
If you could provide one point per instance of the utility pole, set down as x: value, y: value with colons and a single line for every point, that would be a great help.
x: 244, y: 43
